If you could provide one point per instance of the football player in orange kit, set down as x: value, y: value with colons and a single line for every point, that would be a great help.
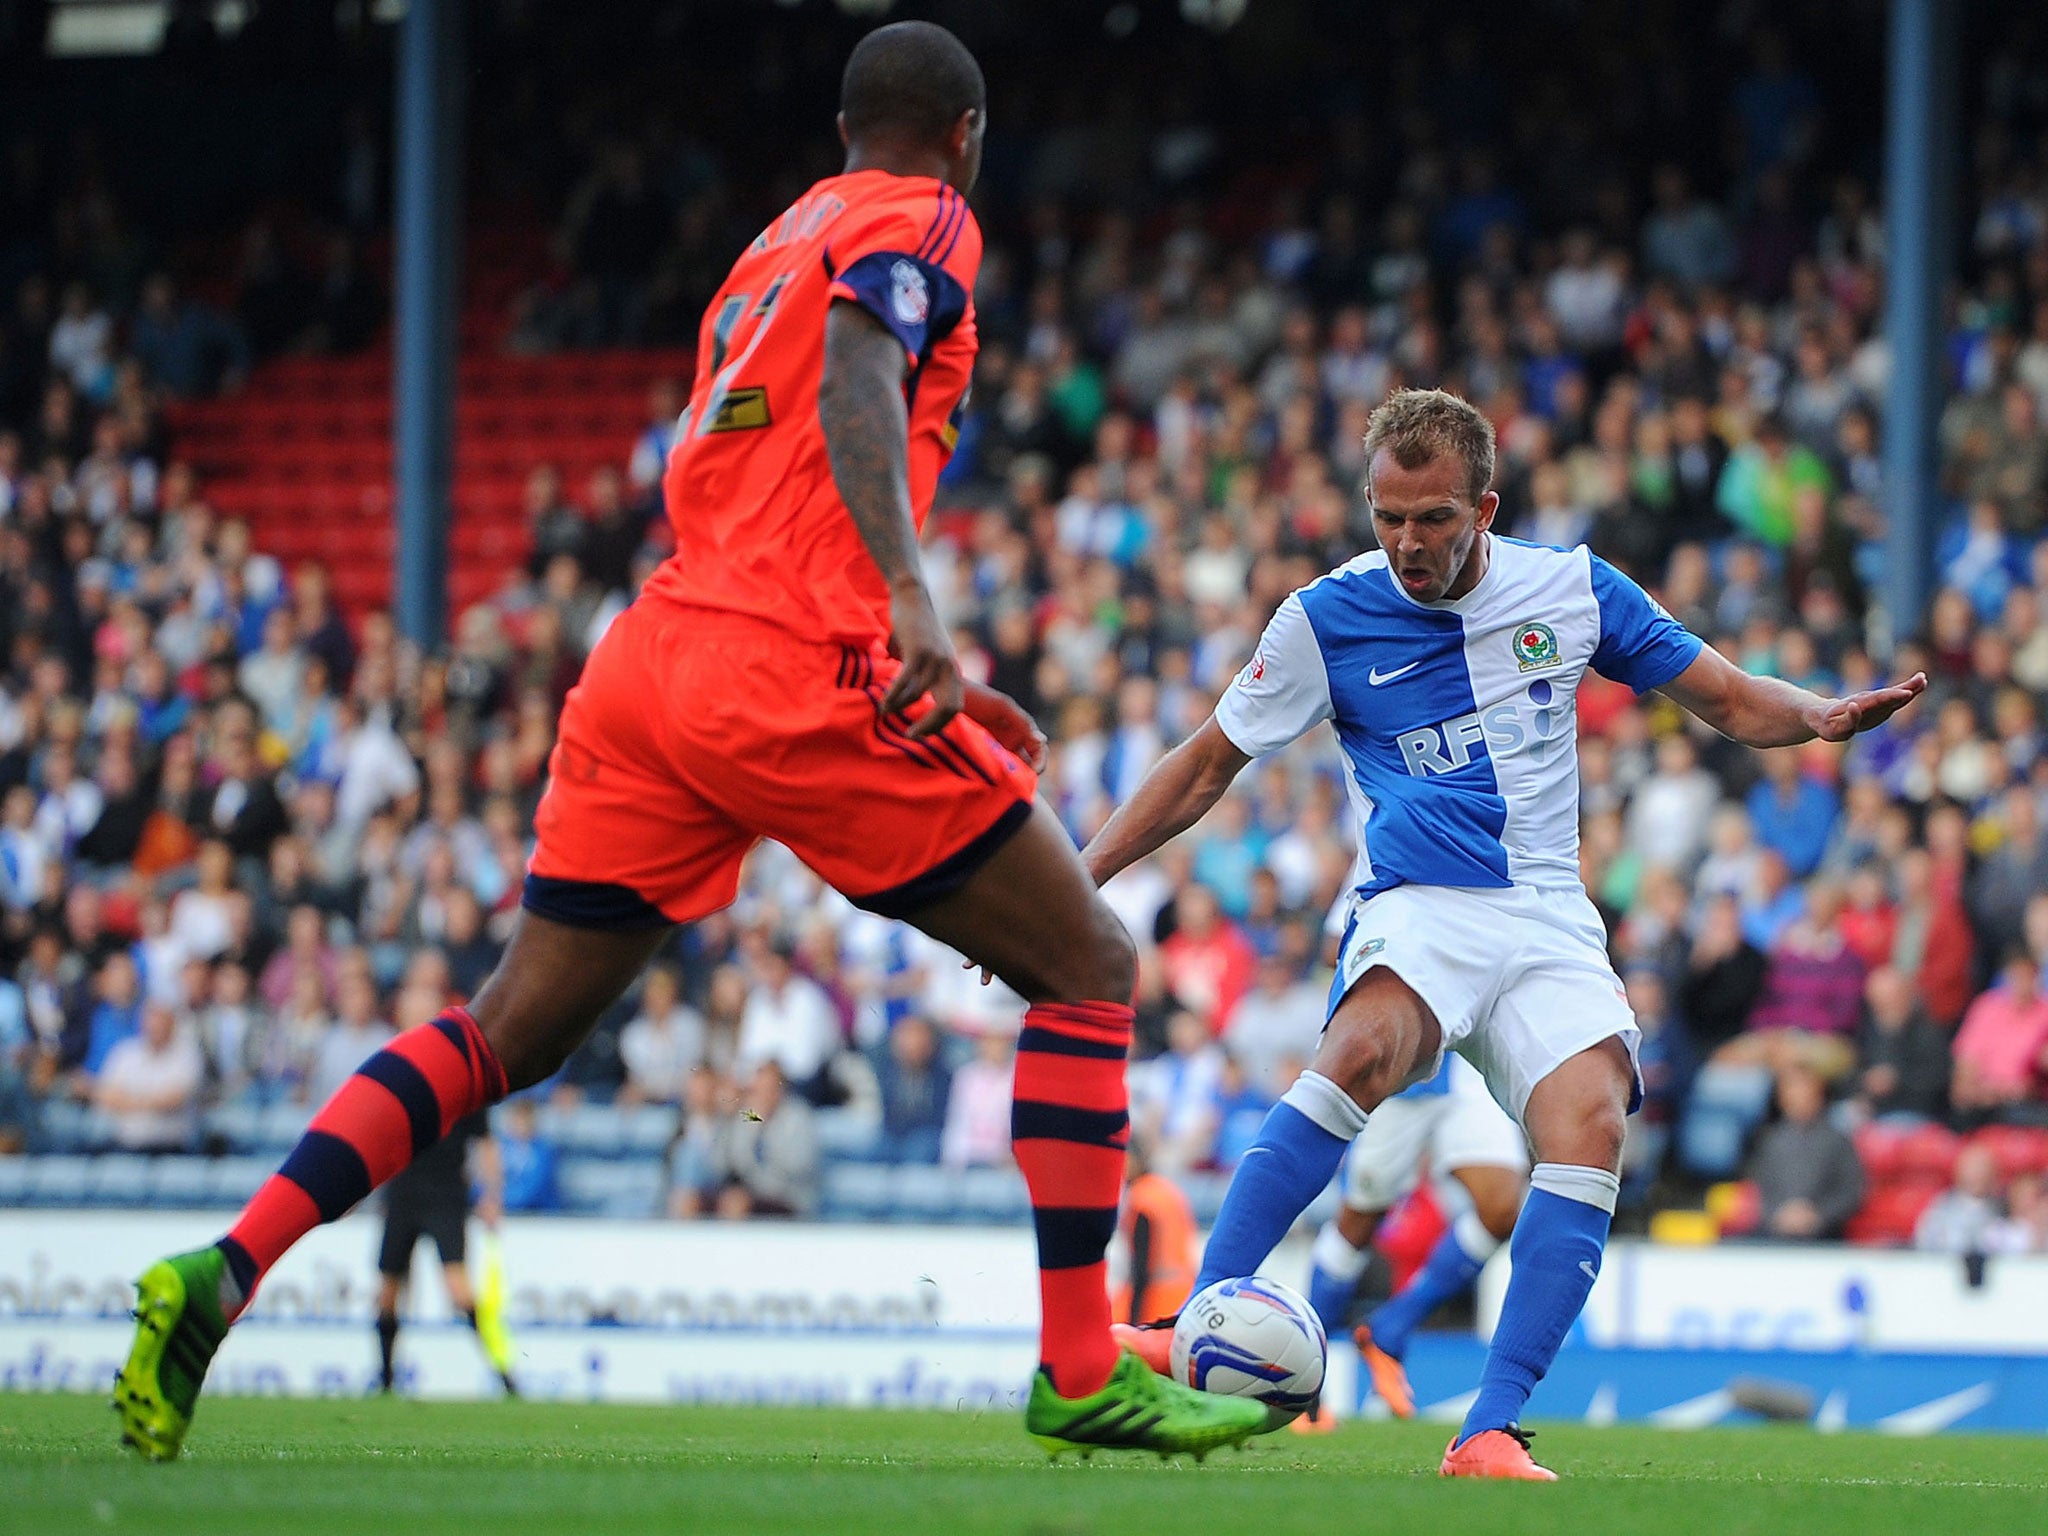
x: 785, y: 675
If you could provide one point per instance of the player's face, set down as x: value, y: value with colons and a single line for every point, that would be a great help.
x: 1427, y: 522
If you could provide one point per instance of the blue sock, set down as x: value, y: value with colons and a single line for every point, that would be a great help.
x: 1296, y: 1154
x: 1453, y: 1264
x: 1556, y: 1249
x: 1333, y: 1277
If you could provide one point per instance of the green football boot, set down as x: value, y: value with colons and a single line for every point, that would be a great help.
x: 1137, y: 1409
x: 178, y: 1326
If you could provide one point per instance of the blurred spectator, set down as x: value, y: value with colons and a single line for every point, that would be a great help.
x: 915, y: 1088
x: 1667, y: 1063
x: 1806, y: 1172
x: 1670, y: 812
x: 788, y: 1020
x: 1961, y: 1219
x: 692, y: 1156
x: 1904, y: 1054
x: 1812, y: 991
x: 17, y: 1064
x: 357, y: 1033
x: 1241, y: 1107
x: 1791, y: 812
x: 662, y: 1044
x: 187, y: 346
x: 118, y: 1014
x: 649, y: 459
x: 148, y: 1086
x: 2001, y: 1050
x: 2010, y: 875
x: 765, y: 1161
x: 1278, y: 1022
x: 530, y: 1160
x: 1175, y: 1095
x: 1209, y: 962
x: 977, y: 1131
x: 202, y: 918
x: 232, y: 1029
x: 1158, y: 1244
x: 305, y: 954
x: 2025, y: 1228
x: 291, y: 1051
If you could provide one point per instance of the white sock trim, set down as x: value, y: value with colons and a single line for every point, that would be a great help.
x: 1472, y: 1238
x: 1329, y: 1106
x: 1335, y: 1256
x: 1588, y: 1186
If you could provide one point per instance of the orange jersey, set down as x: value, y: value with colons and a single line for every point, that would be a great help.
x: 760, y: 527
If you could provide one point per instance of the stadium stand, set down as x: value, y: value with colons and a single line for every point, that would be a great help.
x: 1182, y: 334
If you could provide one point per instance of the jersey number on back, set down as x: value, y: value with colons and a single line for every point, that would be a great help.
x: 730, y: 409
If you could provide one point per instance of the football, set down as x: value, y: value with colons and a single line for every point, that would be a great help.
x: 1252, y: 1337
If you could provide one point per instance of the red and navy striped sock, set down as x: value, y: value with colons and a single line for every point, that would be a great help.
x: 399, y: 1102
x: 1070, y: 1123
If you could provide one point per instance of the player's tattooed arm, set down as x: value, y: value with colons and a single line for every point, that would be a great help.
x: 1769, y: 712
x: 867, y: 438
x: 1176, y: 794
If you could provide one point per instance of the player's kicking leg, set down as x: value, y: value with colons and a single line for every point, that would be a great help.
x: 1381, y: 1036
x: 1344, y: 1245
x: 546, y: 995
x: 1031, y: 915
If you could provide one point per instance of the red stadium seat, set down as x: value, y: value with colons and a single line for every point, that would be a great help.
x: 1880, y: 1148
x: 1929, y: 1153
x: 1891, y: 1211
x: 2019, y: 1149
x: 305, y: 453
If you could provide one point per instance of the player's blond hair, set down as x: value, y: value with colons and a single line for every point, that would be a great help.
x: 1418, y: 425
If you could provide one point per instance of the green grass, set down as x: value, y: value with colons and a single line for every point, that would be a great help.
x: 416, y: 1469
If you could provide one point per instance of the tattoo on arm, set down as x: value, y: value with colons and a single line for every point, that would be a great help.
x: 867, y: 435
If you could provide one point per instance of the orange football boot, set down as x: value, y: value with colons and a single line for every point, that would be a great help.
x: 1389, y: 1377
x: 1319, y: 1420
x: 1150, y: 1342
x: 1502, y: 1453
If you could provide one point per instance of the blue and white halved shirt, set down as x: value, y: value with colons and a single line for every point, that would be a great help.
x: 1459, y: 719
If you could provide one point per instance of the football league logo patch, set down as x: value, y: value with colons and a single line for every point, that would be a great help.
x: 910, y: 296
x: 1535, y: 646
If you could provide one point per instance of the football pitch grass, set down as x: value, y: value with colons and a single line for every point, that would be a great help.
x: 400, y: 1468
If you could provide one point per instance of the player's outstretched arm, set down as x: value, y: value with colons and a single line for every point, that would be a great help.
x: 1768, y: 712
x: 867, y: 438
x: 1176, y: 794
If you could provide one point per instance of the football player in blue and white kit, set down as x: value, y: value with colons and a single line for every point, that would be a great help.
x: 1449, y: 661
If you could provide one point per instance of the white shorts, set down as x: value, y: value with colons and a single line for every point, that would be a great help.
x: 1519, y: 979
x: 1459, y: 1127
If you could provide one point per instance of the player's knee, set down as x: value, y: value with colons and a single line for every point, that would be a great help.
x: 1364, y: 1063
x: 1605, y: 1131
x: 1589, y: 1138
x: 526, y: 1058
x: 1104, y: 968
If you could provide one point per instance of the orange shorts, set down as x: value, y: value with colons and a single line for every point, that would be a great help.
x: 693, y: 734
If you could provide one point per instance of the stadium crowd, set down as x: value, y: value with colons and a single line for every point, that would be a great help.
x: 243, y: 836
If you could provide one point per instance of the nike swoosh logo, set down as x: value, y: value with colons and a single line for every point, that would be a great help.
x: 1586, y: 1268
x: 1377, y: 677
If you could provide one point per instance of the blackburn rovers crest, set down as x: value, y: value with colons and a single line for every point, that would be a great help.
x: 1535, y: 646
